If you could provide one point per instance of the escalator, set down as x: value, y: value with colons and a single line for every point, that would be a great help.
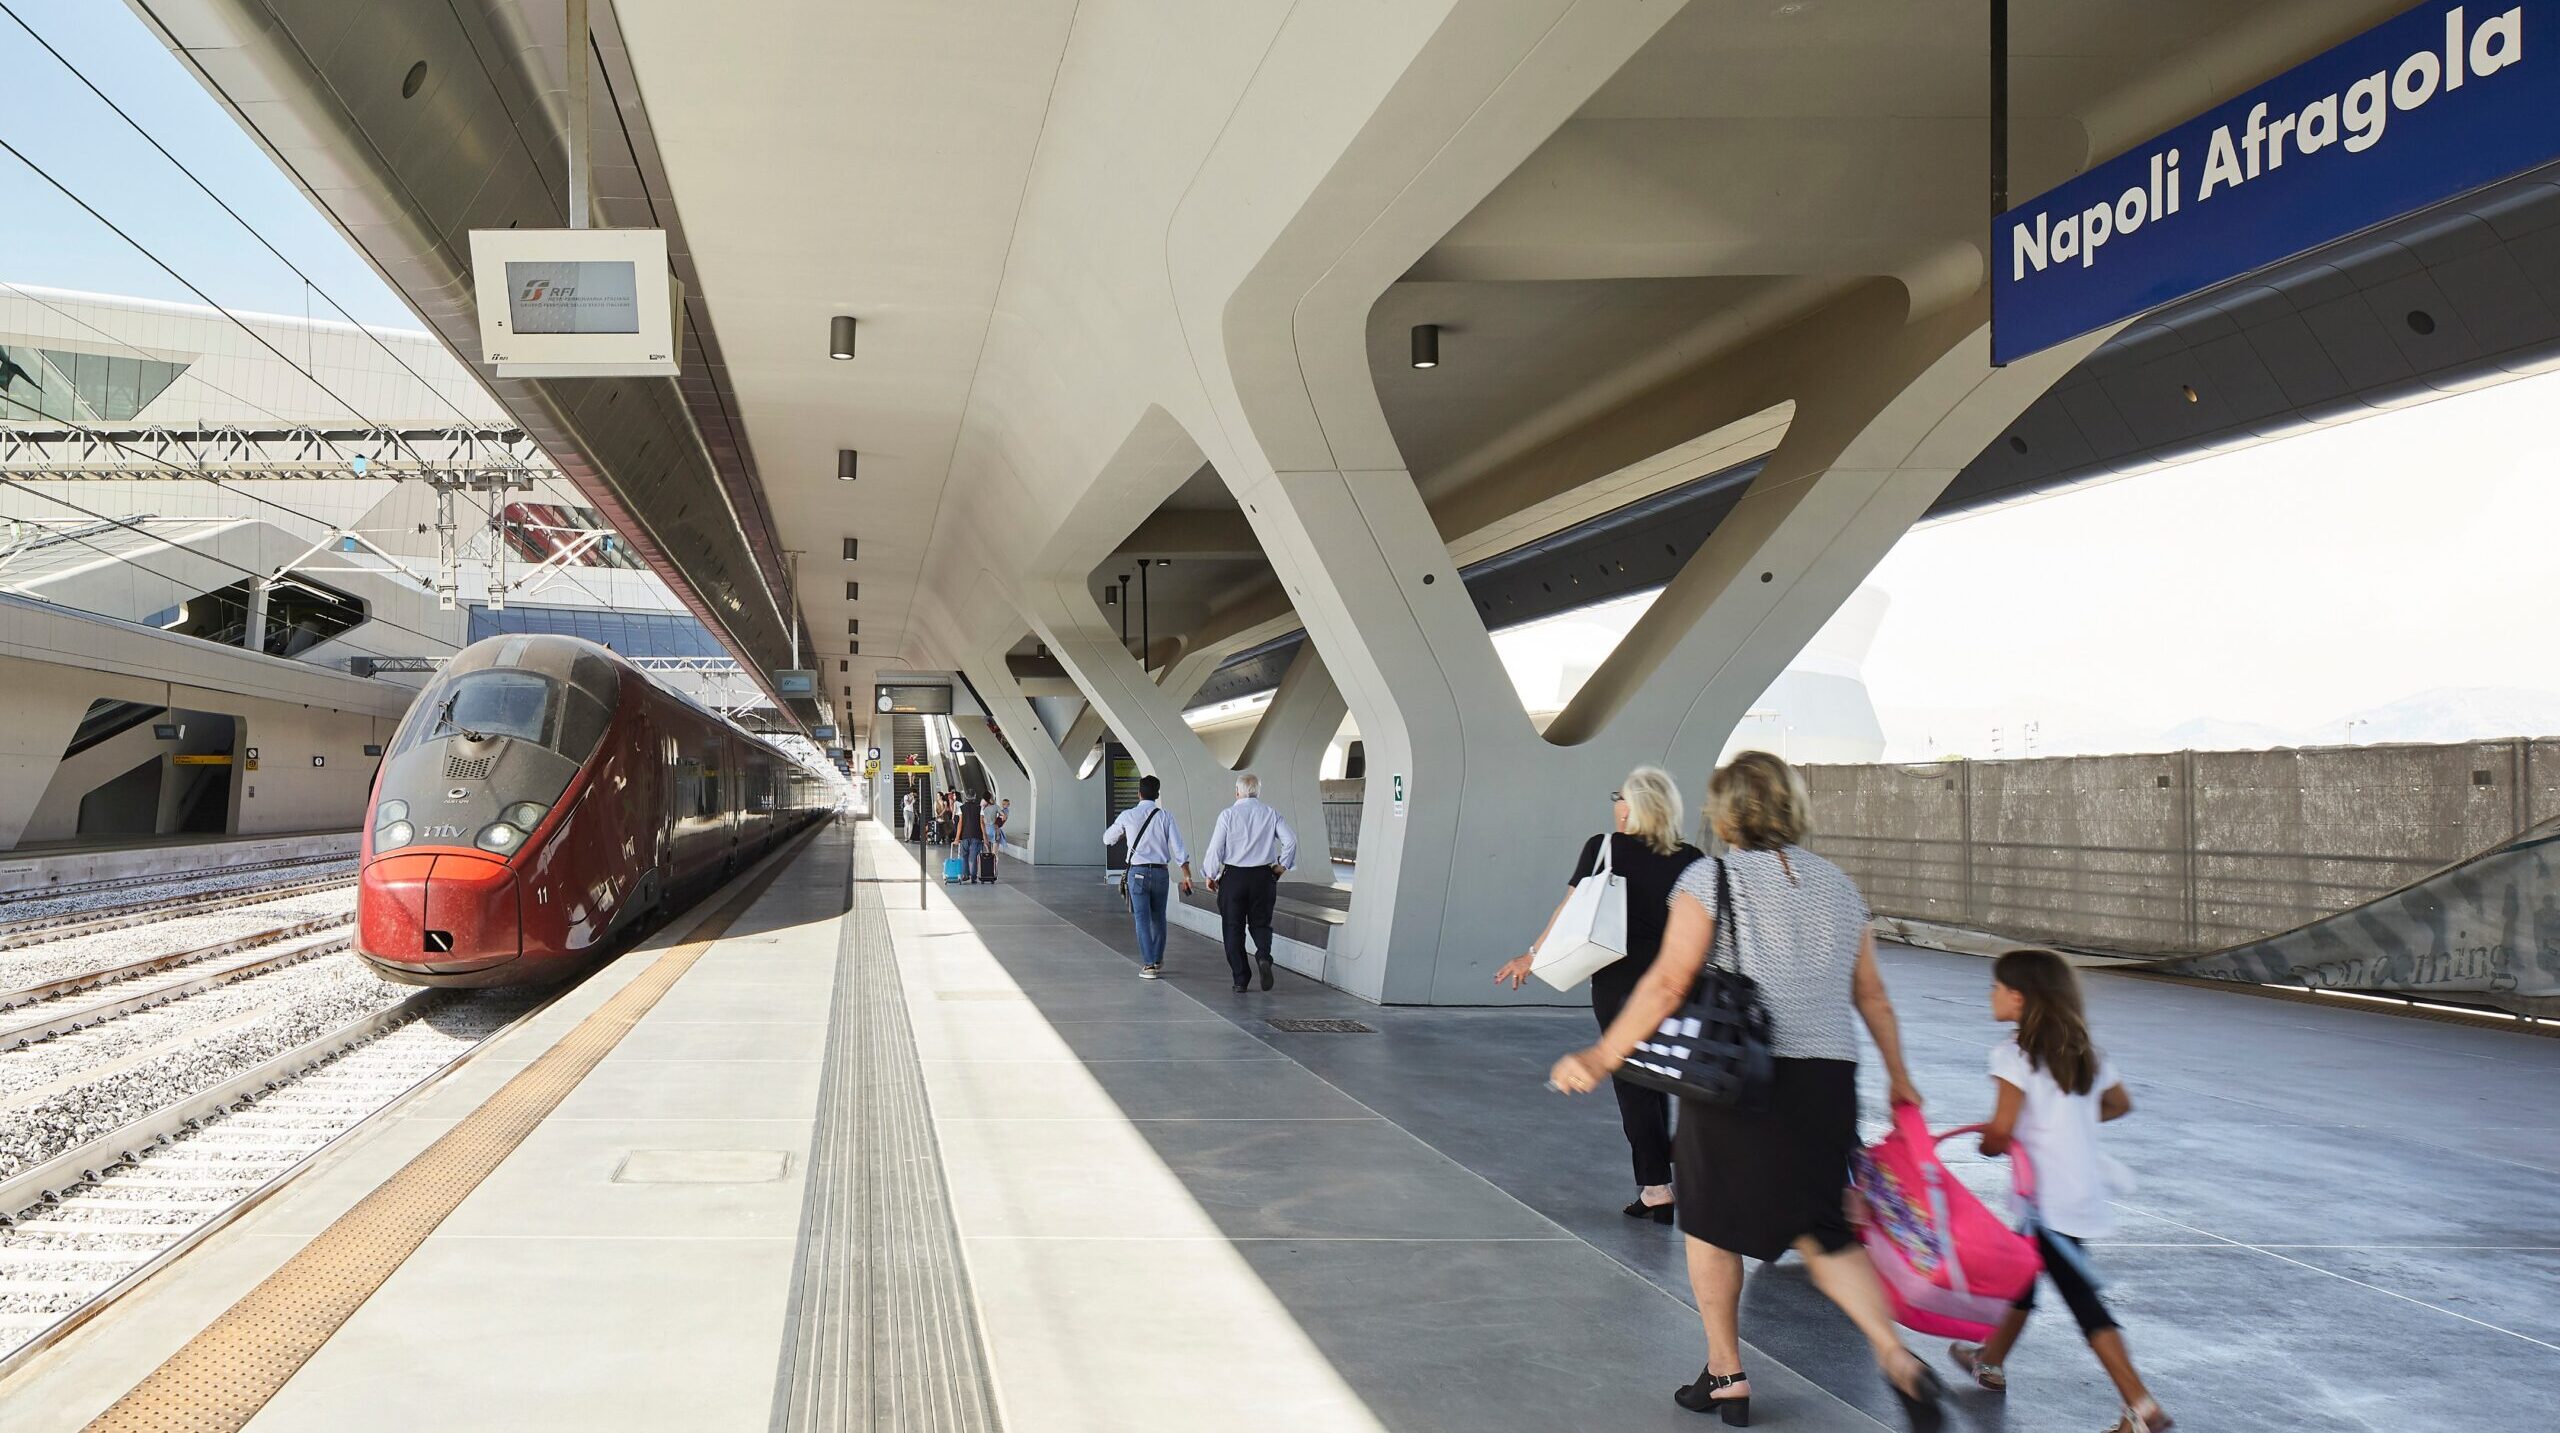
x: 106, y: 720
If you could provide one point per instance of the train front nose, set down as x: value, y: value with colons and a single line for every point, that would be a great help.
x: 439, y: 918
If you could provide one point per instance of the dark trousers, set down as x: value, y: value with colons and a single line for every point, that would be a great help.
x: 2067, y: 1265
x: 1644, y: 1114
x: 1245, y: 897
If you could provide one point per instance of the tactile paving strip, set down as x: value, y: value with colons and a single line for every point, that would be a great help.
x: 226, y: 1373
x: 884, y: 1330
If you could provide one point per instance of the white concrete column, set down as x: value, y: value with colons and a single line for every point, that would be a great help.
x: 1287, y: 751
x: 1057, y: 819
x: 1145, y: 715
x: 1891, y: 408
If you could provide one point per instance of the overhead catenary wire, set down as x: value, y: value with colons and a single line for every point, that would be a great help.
x: 495, y: 526
x: 133, y: 525
x: 310, y: 284
x: 511, y: 464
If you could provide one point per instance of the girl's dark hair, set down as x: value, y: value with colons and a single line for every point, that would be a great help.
x: 2051, y: 1028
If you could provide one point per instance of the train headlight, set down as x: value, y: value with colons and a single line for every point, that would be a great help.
x: 389, y: 812
x: 394, y: 836
x: 499, y: 836
x: 524, y: 815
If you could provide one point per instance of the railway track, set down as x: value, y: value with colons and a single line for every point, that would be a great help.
x: 66, y: 912
x: 90, y: 959
x: 72, y: 927
x: 222, y: 1123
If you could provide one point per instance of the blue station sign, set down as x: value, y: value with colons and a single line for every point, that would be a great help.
x: 2441, y: 100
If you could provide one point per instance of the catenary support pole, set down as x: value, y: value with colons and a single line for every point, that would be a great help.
x: 578, y: 53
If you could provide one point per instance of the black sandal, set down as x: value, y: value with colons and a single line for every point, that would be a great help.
x: 1658, y: 1213
x: 1922, y: 1406
x: 1700, y: 1397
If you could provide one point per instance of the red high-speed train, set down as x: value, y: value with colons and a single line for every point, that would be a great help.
x: 544, y: 797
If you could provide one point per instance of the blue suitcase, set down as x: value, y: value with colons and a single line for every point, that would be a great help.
x: 953, y: 869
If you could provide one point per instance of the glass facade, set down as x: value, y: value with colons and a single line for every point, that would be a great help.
x: 633, y: 634
x: 72, y: 387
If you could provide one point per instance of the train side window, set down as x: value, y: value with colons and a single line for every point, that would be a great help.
x: 582, y: 723
x: 707, y: 782
x: 596, y: 677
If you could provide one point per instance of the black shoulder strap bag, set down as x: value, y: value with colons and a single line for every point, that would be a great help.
x: 1715, y: 1048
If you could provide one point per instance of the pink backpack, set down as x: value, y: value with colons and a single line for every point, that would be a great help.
x: 1951, y: 1267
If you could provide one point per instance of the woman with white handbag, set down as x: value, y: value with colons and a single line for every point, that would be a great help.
x: 1606, y: 930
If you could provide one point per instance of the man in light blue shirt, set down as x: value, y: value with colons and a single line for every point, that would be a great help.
x: 1155, y: 846
x: 1248, y: 850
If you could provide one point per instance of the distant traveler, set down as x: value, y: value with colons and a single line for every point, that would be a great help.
x: 907, y: 813
x: 1004, y: 818
x: 1645, y: 850
x: 1249, y: 849
x: 990, y: 820
x: 1155, y: 846
x: 1754, y: 1184
x: 2054, y: 1089
x: 971, y: 825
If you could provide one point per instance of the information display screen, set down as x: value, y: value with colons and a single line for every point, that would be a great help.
x: 573, y: 296
x: 919, y: 699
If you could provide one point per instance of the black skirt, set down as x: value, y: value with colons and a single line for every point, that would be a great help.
x: 1756, y: 1183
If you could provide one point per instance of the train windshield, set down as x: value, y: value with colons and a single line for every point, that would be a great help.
x: 496, y: 703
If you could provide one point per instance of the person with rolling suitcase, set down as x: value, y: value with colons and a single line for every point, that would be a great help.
x: 993, y: 828
x: 970, y: 822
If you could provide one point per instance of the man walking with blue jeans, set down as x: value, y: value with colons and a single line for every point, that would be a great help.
x: 1155, y: 846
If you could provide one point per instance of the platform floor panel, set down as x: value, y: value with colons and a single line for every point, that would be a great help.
x: 2343, y: 1218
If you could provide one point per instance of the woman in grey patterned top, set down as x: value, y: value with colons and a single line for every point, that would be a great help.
x: 1758, y: 1183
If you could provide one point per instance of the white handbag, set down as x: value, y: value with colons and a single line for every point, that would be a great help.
x: 1590, y: 932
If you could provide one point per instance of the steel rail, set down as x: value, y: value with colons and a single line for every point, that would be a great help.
x: 48, y: 930
x: 63, y: 1023
x: 109, y: 975
x: 45, y: 1184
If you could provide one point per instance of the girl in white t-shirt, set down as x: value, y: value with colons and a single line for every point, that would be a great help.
x: 2055, y: 1088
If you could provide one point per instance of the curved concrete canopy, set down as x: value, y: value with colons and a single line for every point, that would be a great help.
x: 1133, y: 278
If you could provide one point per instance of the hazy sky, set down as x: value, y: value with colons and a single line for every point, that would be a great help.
x: 2286, y: 584
x: 55, y: 122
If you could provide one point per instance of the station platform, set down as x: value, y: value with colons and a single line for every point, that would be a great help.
x: 38, y: 865
x: 852, y: 1151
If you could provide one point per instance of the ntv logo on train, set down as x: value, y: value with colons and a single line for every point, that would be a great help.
x: 2426, y: 106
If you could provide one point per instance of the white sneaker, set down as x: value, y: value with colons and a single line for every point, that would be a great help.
x: 1147, y: 972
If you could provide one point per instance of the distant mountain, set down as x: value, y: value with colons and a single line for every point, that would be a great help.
x: 2449, y: 714
x: 2214, y: 734
x: 2445, y: 714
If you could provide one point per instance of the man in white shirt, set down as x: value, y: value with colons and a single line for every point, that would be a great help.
x: 1155, y: 846
x: 1248, y: 850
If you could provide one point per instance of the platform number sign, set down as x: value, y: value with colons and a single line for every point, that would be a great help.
x: 1398, y: 780
x: 959, y: 746
x: 875, y: 756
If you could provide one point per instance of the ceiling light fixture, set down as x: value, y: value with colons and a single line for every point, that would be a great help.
x: 840, y: 336
x: 1110, y: 596
x: 1426, y: 345
x: 846, y: 462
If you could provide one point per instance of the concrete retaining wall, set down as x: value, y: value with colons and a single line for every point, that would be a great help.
x: 2175, y: 853
x: 2170, y: 854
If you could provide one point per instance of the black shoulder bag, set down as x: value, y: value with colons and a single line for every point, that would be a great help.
x: 1715, y: 1048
